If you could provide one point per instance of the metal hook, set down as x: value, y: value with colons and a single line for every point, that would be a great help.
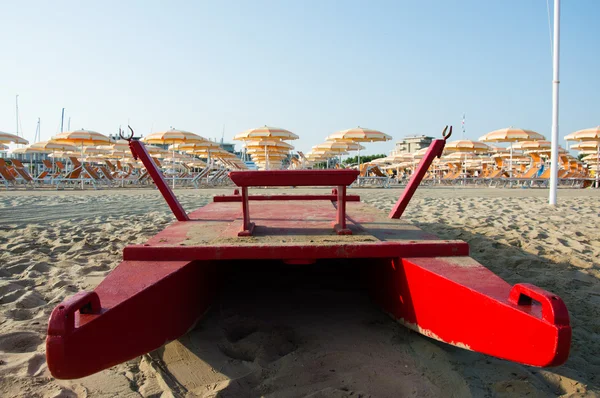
x: 446, y: 136
x: 128, y: 137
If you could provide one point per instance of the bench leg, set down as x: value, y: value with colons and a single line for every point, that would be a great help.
x: 340, y: 222
x: 248, y: 227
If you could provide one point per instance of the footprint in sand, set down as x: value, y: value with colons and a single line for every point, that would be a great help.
x: 248, y: 340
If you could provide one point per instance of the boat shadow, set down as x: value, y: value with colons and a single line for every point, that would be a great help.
x: 271, y: 331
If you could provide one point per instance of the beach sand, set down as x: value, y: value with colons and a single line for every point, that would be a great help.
x: 298, y: 334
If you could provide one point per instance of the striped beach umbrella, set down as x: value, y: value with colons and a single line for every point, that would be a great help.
x: 591, y: 134
x: 8, y: 138
x: 266, y: 132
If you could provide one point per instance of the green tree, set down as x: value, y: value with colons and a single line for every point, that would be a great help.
x: 363, y: 158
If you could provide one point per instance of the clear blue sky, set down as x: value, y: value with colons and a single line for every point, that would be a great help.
x: 313, y: 67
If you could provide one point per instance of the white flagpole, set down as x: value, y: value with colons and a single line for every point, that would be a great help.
x: 555, y: 82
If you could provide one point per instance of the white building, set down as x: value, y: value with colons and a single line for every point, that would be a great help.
x: 412, y: 144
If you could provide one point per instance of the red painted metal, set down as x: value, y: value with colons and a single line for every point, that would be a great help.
x: 435, y: 149
x: 296, y: 252
x: 238, y: 198
x: 340, y: 220
x: 275, y: 178
x: 248, y: 226
x: 427, y: 284
x: 458, y: 301
x: 123, y: 324
x: 293, y: 178
x: 139, y: 151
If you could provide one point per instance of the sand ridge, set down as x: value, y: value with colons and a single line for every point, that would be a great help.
x: 54, y: 244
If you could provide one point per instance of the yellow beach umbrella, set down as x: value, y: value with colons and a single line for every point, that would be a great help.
x: 8, y: 138
x: 272, y: 143
x: 119, y: 145
x: 266, y: 132
x: 359, y: 134
x: 82, y: 138
x: 52, y: 146
x: 173, y: 136
x: 511, y: 135
x: 535, y: 145
x: 591, y: 134
x: 466, y: 146
x: 586, y: 146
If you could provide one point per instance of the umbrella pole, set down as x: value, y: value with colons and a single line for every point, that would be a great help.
x: 267, y: 158
x: 173, y: 165
x: 598, y: 166
x: 465, y: 170
x: 510, y: 162
x: 82, y: 162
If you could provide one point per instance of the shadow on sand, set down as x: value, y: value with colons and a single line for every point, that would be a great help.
x: 312, y: 330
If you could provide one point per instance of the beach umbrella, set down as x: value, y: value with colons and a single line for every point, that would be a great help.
x: 267, y: 147
x: 272, y: 143
x: 511, y: 135
x: 50, y: 146
x: 359, y: 134
x: 8, y: 138
x: 82, y: 138
x: 173, y: 136
x: 585, y: 135
x: 535, y: 145
x: 155, y: 150
x: 26, y: 150
x: 586, y: 146
x: 266, y: 134
x: 338, y: 147
x: 591, y: 134
x: 119, y: 145
x: 466, y: 146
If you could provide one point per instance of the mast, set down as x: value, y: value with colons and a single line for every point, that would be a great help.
x: 38, y: 132
x: 555, y: 83
x: 62, y: 120
x: 17, y: 111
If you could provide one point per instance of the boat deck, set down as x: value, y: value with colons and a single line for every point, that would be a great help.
x: 290, y: 230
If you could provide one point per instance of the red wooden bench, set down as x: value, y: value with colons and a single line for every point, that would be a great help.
x: 295, y: 178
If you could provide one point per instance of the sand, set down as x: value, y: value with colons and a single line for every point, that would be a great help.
x: 298, y: 334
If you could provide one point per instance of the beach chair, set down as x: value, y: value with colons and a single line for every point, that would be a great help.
x: 22, y: 173
x: 6, y: 177
x: 197, y: 180
x: 72, y: 177
x: 108, y: 176
x: 94, y: 177
x: 110, y: 166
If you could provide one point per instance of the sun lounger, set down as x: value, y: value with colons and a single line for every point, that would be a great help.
x: 6, y: 177
x: 22, y: 173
